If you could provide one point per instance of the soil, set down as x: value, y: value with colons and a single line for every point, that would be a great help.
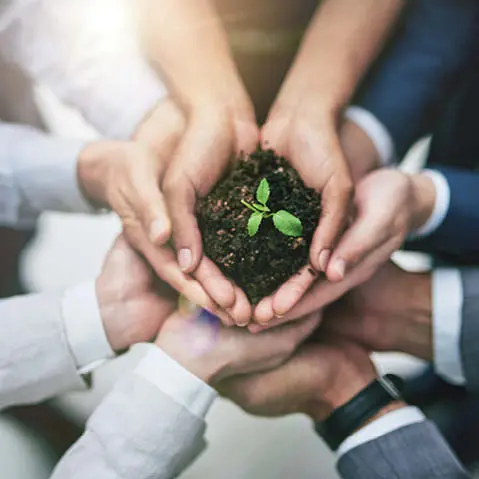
x: 258, y: 264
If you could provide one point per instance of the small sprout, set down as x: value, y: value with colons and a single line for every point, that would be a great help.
x: 283, y: 220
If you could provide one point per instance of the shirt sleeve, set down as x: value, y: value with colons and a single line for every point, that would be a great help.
x: 441, y: 205
x: 37, y: 172
x: 172, y: 379
x: 88, y: 52
x: 84, y: 329
x: 376, y: 131
x: 447, y: 297
x: 384, y: 425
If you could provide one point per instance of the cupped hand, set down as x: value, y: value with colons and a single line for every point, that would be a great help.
x: 214, y: 135
x: 126, y: 176
x: 310, y: 142
x: 213, y: 352
x: 318, y: 379
x: 389, y: 205
x: 133, y: 303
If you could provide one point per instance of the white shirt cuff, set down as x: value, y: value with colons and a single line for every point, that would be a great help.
x: 45, y: 169
x: 447, y: 300
x: 441, y: 205
x: 174, y: 380
x: 84, y: 327
x: 384, y: 425
x: 376, y: 131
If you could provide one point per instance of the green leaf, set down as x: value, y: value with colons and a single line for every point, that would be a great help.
x: 261, y: 207
x: 254, y: 222
x: 287, y: 223
x: 263, y: 191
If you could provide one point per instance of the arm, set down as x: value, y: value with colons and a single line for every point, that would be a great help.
x: 49, y: 340
x: 152, y: 423
x: 88, y: 53
x: 406, y: 88
x: 411, y: 451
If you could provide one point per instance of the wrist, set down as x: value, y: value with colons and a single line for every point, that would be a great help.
x: 322, y: 406
x: 423, y: 200
x: 92, y: 169
x: 414, y: 335
x: 111, y: 307
x: 359, y: 150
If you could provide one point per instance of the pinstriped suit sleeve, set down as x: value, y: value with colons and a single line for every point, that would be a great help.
x: 417, y: 451
x: 469, y: 339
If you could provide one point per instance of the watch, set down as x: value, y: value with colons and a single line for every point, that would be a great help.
x: 345, y: 420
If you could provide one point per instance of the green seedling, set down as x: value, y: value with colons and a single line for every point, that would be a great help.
x: 283, y: 220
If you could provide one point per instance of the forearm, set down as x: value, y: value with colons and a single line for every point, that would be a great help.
x: 40, y: 173
x: 36, y: 362
x: 186, y: 40
x: 343, y: 39
x: 88, y: 53
x: 150, y: 425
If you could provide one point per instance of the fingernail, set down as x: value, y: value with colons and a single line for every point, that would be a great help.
x: 340, y: 268
x: 279, y: 316
x: 157, y: 229
x: 184, y: 259
x: 324, y: 257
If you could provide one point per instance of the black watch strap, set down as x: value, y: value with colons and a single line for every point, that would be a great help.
x: 362, y: 407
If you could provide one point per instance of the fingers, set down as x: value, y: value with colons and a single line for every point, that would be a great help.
x: 273, y: 134
x: 288, y: 295
x: 363, y: 237
x: 181, y: 198
x: 336, y: 201
x: 215, y: 284
x: 153, y: 214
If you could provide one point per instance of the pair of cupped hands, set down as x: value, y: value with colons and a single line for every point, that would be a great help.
x: 152, y: 183
x: 179, y: 154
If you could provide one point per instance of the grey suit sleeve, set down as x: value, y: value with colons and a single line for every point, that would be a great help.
x: 35, y: 359
x: 417, y: 451
x: 469, y: 345
x: 136, y: 432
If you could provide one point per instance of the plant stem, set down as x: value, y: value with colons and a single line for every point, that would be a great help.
x: 251, y: 207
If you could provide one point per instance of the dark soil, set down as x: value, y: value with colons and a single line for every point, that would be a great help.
x: 259, y: 264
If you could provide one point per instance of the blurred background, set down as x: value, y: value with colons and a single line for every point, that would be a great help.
x: 69, y: 249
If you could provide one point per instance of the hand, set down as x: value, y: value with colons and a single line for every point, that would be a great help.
x: 389, y: 205
x: 125, y: 176
x: 133, y: 303
x: 318, y: 379
x: 212, y: 352
x: 390, y: 312
x: 214, y: 135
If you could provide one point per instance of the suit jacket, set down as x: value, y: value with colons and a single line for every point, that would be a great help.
x: 456, y: 240
x: 408, y: 85
x: 137, y: 431
x: 418, y: 450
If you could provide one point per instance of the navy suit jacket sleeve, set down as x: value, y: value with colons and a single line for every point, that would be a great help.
x: 407, y: 86
x: 457, y: 238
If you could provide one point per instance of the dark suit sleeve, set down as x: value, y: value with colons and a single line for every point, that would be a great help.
x: 406, y: 88
x: 457, y: 238
x: 417, y: 451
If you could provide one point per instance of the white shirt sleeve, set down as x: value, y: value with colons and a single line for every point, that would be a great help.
x: 84, y: 327
x: 377, y: 132
x: 174, y: 380
x: 384, y: 425
x: 441, y: 205
x: 88, y: 52
x: 447, y: 299
x: 37, y: 173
